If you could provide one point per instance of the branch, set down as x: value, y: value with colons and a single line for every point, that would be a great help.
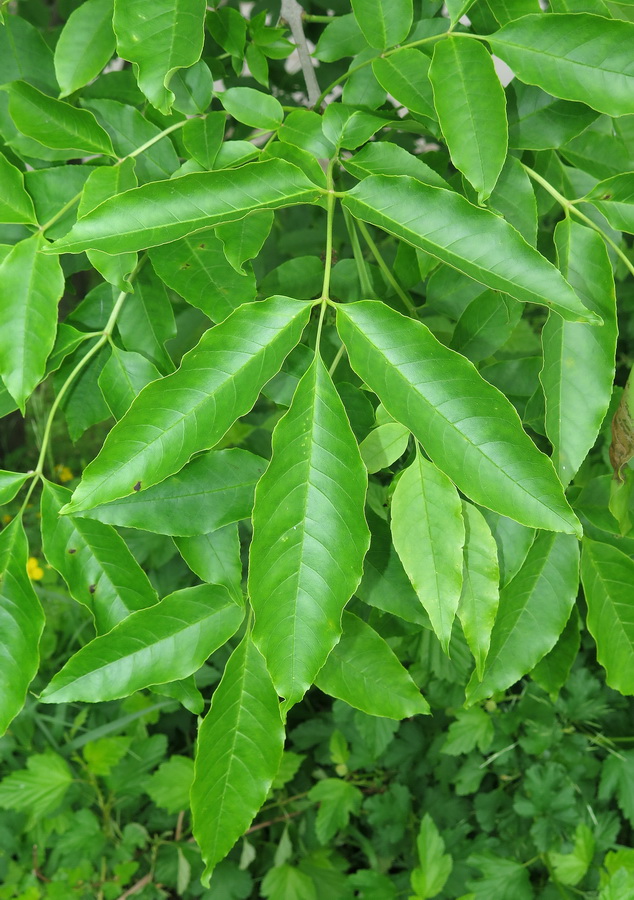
x: 292, y: 12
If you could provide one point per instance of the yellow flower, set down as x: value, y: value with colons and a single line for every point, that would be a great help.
x: 6, y: 519
x: 64, y: 473
x: 33, y: 569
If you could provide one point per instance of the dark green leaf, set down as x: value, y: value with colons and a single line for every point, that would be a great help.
x: 16, y: 205
x: 480, y: 579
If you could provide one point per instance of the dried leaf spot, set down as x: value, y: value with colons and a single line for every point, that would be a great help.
x: 72, y: 550
x: 202, y: 246
x: 186, y: 266
x: 137, y: 486
x: 92, y: 588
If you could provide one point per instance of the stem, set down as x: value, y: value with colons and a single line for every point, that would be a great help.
x: 322, y: 313
x: 293, y: 13
x: 364, y: 279
x: 385, y: 269
x: 336, y: 360
x: 330, y: 209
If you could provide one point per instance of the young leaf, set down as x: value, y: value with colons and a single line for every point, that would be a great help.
x: 607, y: 575
x: 239, y: 751
x: 467, y: 427
x: 384, y: 23
x: 22, y: 621
x: 575, y: 57
x: 578, y: 359
x: 159, y: 40
x: 171, y: 419
x: 94, y: 561
x: 254, y: 108
x: 309, y: 535
x: 533, y: 612
x: 480, y: 579
x: 85, y: 45
x: 435, y: 865
x: 429, y: 534
x: 166, y: 642
x: 472, y: 240
x: 363, y: 671
x: 165, y: 211
x: 471, y: 107
x: 31, y: 285
x: 16, y: 205
x: 10, y: 484
x: 383, y: 446
x: 214, y: 489
x: 337, y: 799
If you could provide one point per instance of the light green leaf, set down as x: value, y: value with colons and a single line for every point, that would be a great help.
x: 607, y: 575
x: 337, y: 800
x: 384, y: 158
x: 457, y: 9
x: 514, y: 197
x: 218, y: 381
x: 215, y: 558
x: 471, y: 107
x: 288, y: 883
x: 54, y: 123
x: 16, y: 205
x: 122, y: 377
x: 363, y: 671
x: 165, y: 642
x: 539, y: 121
x: 569, y: 868
x: 203, y: 138
x: 551, y: 673
x: 165, y: 211
x: 614, y: 197
x: 480, y: 579
x: 94, y: 561
x: 573, y: 56
x: 254, y: 108
x: 469, y: 430
x: 309, y: 535
x: 384, y: 23
x: 579, y: 360
x: 85, y: 45
x: 31, y: 285
x: 146, y: 320
x: 10, y: 484
x: 170, y: 785
x: 104, y: 753
x: 405, y: 75
x: 239, y: 751
x: 214, y: 489
x: 435, y: 865
x: 21, y: 623
x: 429, y: 534
x: 159, y: 40
x: 38, y: 789
x: 473, y: 728
x: 383, y: 446
x: 534, y: 608
x: 243, y: 240
x: 472, y: 240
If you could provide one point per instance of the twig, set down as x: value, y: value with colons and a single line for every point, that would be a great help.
x: 137, y: 886
x: 267, y: 823
x: 292, y: 13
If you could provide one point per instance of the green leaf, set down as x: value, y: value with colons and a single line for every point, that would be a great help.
x: 38, y: 789
x: 569, y: 868
x: 383, y: 22
x: 239, y: 751
x: 575, y: 57
x: 203, y: 138
x: 469, y: 430
x: 31, y: 285
x: 214, y: 489
x: 552, y: 672
x: 22, y: 622
x: 254, y: 108
x: 170, y: 785
x: 288, y: 883
x: 94, y: 561
x: 384, y: 158
x: 146, y: 320
x: 363, y: 671
x: 480, y: 595
x: 340, y: 38
x: 617, y: 777
x: 54, y: 123
x: 435, y: 865
x: 607, y: 575
x: 383, y: 446
x: 405, y: 75
x: 159, y: 40
x: 485, y: 325
x: 85, y: 45
x: 539, y: 121
x: 614, y: 197
x: 513, y: 541
x: 471, y: 107
x: 165, y: 642
x: 25, y: 54
x: 165, y: 211
x: 429, y: 535
x: 473, y: 728
x: 337, y: 801
x: 534, y: 608
x: 215, y: 558
x: 102, y: 755
x: 10, y: 484
x: 218, y: 381
x: 514, y: 197
x: 122, y: 377
x: 472, y: 240
x: 244, y: 239
x: 578, y: 359
x: 502, y: 879
x: 309, y: 535
x: 16, y: 205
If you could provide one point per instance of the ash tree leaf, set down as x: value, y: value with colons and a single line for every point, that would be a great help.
x: 429, y: 878
x: 31, y: 284
x: 166, y: 642
x: 238, y: 754
x: 171, y: 419
x: 215, y: 558
x: 614, y: 197
x: 122, y: 377
x: 385, y: 158
x: 513, y: 542
x: 475, y: 241
x: 254, y: 108
x: 363, y: 671
x: 94, y: 561
x: 539, y: 121
x: 309, y: 535
x: 471, y: 107
x: 485, y: 325
x: 21, y: 621
x: 158, y: 40
x: 607, y: 575
x: 165, y: 211
x: 573, y: 56
x: 579, y: 360
x: 146, y: 320
x: 405, y: 76
x: 551, y: 673
x: 54, y: 123
x: 480, y: 595
x: 338, y: 800
x: 86, y: 43
x: 384, y: 23
x: 16, y: 205
x: 514, y: 197
x: 213, y: 490
x: 383, y: 446
x: 10, y: 484
x: 429, y: 533
x: 533, y: 611
x: 466, y: 426
x: 203, y: 138
x: 25, y: 54
x: 243, y: 240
